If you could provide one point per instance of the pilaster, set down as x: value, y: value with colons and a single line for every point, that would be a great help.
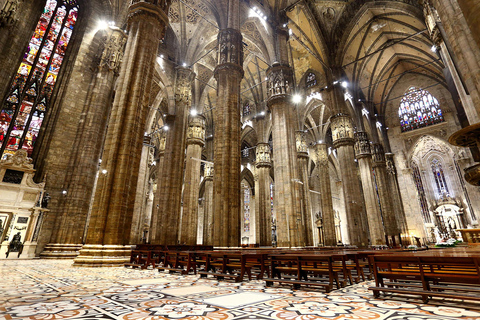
x: 302, y: 159
x: 263, y: 165
x: 208, y: 205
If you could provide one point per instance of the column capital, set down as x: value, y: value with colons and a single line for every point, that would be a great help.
x: 322, y: 154
x: 113, y: 52
x: 139, y: 9
x: 208, y: 172
x: 183, y: 84
x: 230, y: 52
x: 301, y: 143
x: 279, y: 83
x: 263, y: 157
x: 196, y: 130
x: 342, y: 130
x: 378, y: 155
x: 362, y: 145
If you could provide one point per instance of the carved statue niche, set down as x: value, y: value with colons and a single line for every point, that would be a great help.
x: 8, y: 15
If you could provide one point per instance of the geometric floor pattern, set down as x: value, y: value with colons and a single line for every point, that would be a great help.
x: 53, y: 289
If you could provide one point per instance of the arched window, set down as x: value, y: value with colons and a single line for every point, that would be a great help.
x: 439, y: 176
x: 418, y: 109
x: 246, y: 207
x: 23, y: 111
x: 311, y: 80
x: 422, y: 199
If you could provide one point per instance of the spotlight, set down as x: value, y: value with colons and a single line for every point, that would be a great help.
x: 102, y: 25
x: 345, y: 84
x: 262, y: 113
x: 104, y: 171
x: 297, y: 98
x: 193, y: 112
x: 434, y: 48
x: 64, y: 192
x: 184, y: 64
x: 165, y: 128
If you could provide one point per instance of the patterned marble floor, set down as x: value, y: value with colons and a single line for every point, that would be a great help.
x: 53, y: 289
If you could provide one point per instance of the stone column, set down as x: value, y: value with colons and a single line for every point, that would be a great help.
x: 397, y: 203
x: 343, y: 141
x: 290, y: 227
x: 263, y: 164
x: 195, y: 144
x: 303, y: 158
x: 108, y: 236
x: 226, y: 182
x: 170, y: 180
x: 208, y: 205
x: 363, y: 154
x: 328, y: 215
x: 384, y: 193
x: 70, y: 225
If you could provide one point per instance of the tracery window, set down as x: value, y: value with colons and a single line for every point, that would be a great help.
x: 24, y: 109
x: 246, y: 208
x: 439, y: 176
x: 311, y: 80
x: 422, y: 199
x: 418, y: 109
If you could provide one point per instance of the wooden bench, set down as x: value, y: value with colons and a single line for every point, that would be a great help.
x: 175, y: 261
x: 139, y: 259
x: 428, y: 276
x: 303, y: 270
x: 223, y: 265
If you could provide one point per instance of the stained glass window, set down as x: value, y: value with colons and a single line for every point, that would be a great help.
x: 439, y: 176
x: 418, y: 109
x: 246, y: 208
x: 23, y: 110
x: 422, y: 199
x: 311, y: 80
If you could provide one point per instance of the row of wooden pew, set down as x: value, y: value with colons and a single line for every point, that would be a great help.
x: 433, y: 273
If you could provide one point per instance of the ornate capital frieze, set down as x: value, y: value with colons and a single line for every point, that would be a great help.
x: 230, y: 51
x: 279, y: 85
x: 208, y: 171
x: 342, y: 130
x: 158, y: 9
x: 183, y: 84
x: 263, y: 155
x: 196, y: 130
x: 378, y: 156
x: 362, y: 145
x: 301, y: 143
x: 114, y: 48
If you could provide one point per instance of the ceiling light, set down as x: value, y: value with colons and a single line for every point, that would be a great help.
x: 165, y: 128
x: 193, y: 112
x: 297, y: 98
x: 434, y: 48
x: 345, y: 84
x: 104, y: 171
x: 102, y: 25
x: 184, y: 64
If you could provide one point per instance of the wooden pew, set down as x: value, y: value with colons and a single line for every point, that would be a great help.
x: 428, y: 276
x: 304, y: 270
x: 226, y: 264
x: 178, y: 261
x: 139, y: 259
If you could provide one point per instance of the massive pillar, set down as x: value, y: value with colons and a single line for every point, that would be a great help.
x: 363, y: 154
x: 384, y: 194
x: 108, y: 235
x: 343, y: 141
x: 195, y: 144
x: 67, y: 236
x: 394, y: 188
x: 263, y: 164
x: 166, y: 219
x: 226, y: 181
x: 303, y: 158
x: 290, y: 224
x: 328, y: 215
x: 208, y: 205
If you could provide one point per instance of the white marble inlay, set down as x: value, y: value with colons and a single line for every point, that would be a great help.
x: 189, y: 290
x: 239, y: 299
x: 138, y: 282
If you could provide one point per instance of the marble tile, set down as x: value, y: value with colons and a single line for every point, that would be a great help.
x: 139, y: 282
x: 239, y: 299
x: 183, y: 291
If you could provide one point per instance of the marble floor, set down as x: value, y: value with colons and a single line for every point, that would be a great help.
x: 53, y: 289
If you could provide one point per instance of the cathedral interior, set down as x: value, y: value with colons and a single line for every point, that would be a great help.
x: 237, y: 123
x: 233, y: 123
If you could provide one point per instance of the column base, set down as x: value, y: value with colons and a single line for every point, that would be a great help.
x: 95, y: 255
x: 60, y: 251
